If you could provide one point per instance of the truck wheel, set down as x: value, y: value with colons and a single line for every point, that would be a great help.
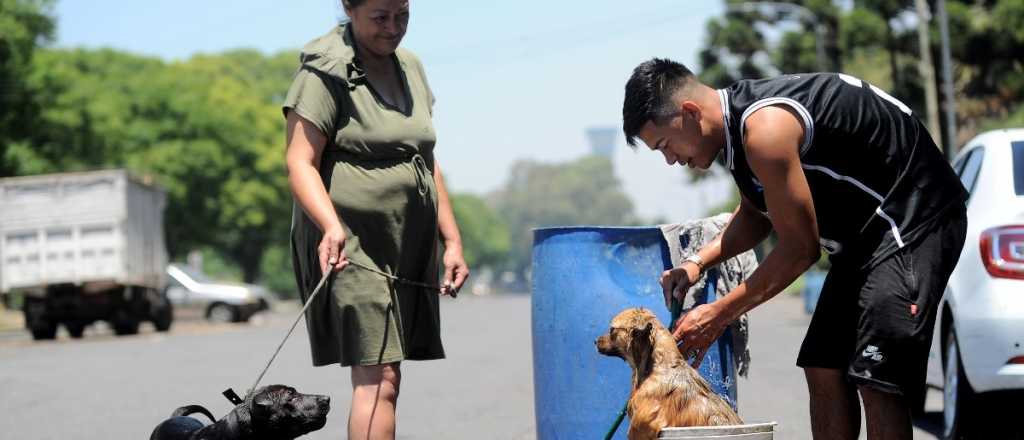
x: 44, y: 330
x: 162, y: 314
x: 36, y: 321
x: 127, y: 326
x: 124, y: 322
x: 75, y: 329
x: 220, y: 312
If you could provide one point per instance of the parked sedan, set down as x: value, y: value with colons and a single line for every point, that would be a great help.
x: 192, y: 292
x: 977, y: 350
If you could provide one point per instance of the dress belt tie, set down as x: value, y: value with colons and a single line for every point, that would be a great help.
x: 422, y: 173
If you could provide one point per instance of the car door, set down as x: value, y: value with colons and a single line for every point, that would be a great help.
x: 967, y: 167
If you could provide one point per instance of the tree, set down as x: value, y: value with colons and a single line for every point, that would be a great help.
x: 24, y: 26
x: 485, y: 236
x: 862, y: 35
x: 208, y: 128
x: 580, y: 192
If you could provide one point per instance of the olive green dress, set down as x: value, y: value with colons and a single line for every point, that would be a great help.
x: 378, y: 169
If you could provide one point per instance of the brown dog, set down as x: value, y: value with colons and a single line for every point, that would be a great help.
x: 667, y: 391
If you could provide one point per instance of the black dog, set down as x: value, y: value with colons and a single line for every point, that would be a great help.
x: 274, y: 412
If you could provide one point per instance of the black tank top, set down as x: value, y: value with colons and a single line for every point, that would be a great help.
x: 876, y: 177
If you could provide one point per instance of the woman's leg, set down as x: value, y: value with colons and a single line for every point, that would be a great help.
x: 374, y: 398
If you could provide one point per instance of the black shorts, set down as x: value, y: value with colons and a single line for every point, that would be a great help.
x: 876, y: 324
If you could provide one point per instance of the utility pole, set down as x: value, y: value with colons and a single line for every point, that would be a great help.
x: 947, y: 81
x: 927, y: 70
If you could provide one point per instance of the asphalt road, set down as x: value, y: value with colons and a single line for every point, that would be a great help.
x: 104, y: 386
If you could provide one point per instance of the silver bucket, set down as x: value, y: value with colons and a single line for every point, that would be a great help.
x: 754, y: 431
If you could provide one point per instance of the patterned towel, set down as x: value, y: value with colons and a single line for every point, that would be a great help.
x: 686, y: 238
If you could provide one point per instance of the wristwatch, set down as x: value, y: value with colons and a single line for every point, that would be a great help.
x: 695, y: 259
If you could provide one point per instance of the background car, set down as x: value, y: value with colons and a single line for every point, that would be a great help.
x: 193, y: 293
x: 977, y: 357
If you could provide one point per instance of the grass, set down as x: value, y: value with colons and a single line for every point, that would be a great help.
x: 11, y: 319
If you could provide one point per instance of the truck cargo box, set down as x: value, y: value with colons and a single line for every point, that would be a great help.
x: 88, y: 228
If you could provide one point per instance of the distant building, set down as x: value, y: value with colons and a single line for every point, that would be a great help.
x: 602, y: 140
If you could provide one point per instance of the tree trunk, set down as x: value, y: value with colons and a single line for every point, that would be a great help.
x: 833, y: 53
x: 927, y: 69
x: 890, y: 42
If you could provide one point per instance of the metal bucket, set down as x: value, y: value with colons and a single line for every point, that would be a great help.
x: 753, y: 431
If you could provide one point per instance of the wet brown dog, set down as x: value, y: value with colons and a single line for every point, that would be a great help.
x: 667, y: 391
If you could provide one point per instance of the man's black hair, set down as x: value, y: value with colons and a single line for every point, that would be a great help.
x: 649, y: 94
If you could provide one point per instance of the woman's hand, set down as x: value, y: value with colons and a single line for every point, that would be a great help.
x: 455, y: 270
x: 675, y: 282
x: 332, y: 250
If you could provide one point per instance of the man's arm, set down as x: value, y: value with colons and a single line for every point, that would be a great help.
x: 746, y: 228
x: 772, y: 146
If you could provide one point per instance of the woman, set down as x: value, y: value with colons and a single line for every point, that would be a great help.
x: 362, y: 170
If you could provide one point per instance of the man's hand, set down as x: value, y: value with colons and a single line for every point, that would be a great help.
x: 697, y: 329
x: 675, y: 282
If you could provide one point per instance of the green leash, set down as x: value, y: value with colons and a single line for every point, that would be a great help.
x: 676, y: 309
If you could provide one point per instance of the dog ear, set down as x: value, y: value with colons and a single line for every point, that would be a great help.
x: 641, y: 349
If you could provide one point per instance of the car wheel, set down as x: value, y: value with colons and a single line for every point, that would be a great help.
x: 221, y: 313
x: 956, y: 394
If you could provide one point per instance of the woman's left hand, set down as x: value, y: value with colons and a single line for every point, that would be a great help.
x: 455, y: 271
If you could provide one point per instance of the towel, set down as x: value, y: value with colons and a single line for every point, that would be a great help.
x: 687, y: 238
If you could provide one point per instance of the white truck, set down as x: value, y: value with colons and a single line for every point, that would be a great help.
x: 76, y: 248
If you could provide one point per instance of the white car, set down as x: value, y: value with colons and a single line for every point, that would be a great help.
x: 192, y: 292
x: 977, y: 349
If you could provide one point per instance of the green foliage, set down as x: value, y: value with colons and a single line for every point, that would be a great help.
x: 209, y: 129
x: 24, y: 26
x: 861, y: 28
x: 485, y: 236
x: 877, y: 41
x: 1015, y: 119
x: 580, y: 192
x: 276, y: 271
x: 796, y: 53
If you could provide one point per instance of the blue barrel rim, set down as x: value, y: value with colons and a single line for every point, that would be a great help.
x: 550, y: 231
x: 595, y: 228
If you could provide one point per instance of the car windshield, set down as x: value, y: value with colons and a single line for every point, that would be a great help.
x: 1018, y: 167
x: 196, y: 275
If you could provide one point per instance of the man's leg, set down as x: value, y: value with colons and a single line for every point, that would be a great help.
x: 835, y: 407
x: 374, y: 398
x: 888, y: 415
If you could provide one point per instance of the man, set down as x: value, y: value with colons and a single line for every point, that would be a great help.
x: 823, y: 159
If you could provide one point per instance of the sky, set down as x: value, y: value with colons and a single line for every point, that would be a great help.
x: 514, y: 79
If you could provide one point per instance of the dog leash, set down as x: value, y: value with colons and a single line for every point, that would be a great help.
x: 676, y: 310
x: 230, y: 393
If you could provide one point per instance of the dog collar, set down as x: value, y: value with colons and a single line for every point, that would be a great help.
x: 232, y: 397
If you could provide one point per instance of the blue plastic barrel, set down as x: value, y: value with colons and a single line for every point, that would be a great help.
x: 814, y: 280
x: 582, y: 277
